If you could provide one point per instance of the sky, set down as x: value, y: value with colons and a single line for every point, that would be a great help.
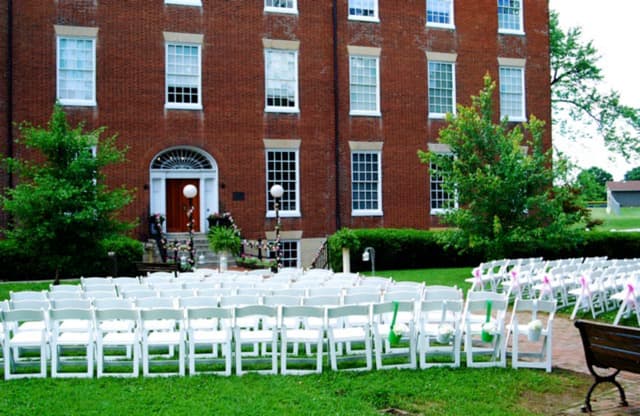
x: 614, y: 30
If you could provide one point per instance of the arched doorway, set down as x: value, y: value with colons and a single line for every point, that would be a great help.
x: 169, y: 172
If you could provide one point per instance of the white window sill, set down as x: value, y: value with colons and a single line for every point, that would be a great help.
x: 511, y: 32
x: 441, y: 26
x: 367, y: 213
x: 438, y: 116
x: 184, y: 2
x: 357, y: 113
x: 287, y: 110
x: 172, y: 106
x: 441, y: 211
x: 280, y: 10
x: 364, y: 19
x: 284, y: 214
x: 78, y: 103
x: 513, y: 119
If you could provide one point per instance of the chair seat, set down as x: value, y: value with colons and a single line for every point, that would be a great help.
x: 256, y: 336
x: 304, y: 335
x: 74, y: 325
x: 204, y: 336
x: 115, y: 326
x: 119, y: 338
x: 349, y: 334
x: 27, y: 339
x: 74, y: 338
x: 163, y: 338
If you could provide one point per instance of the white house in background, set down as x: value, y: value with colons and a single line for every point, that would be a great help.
x: 622, y: 194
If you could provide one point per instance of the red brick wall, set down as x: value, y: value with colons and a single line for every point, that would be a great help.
x: 232, y: 125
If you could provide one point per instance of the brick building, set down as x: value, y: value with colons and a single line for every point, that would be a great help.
x: 329, y: 98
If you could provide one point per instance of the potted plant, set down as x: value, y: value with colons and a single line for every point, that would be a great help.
x: 225, y: 241
x: 346, y: 240
x: 534, y: 329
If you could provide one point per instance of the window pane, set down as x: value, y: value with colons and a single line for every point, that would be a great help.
x: 363, y: 74
x: 281, y: 78
x: 511, y: 92
x: 76, y: 69
x: 282, y: 170
x: 509, y: 15
x: 363, y: 8
x: 183, y: 74
x: 441, y: 88
x: 439, y: 11
x: 365, y: 168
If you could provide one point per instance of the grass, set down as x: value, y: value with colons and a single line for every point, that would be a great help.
x: 628, y: 219
x: 461, y: 391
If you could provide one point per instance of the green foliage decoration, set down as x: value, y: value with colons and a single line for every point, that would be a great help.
x: 223, y: 239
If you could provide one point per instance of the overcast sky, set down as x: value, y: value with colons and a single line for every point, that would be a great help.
x: 614, y: 28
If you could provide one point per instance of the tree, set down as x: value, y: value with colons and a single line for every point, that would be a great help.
x: 503, y: 179
x: 62, y: 209
x: 593, y: 182
x: 633, y: 174
x: 576, y: 93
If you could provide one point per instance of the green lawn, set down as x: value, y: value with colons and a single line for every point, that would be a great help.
x: 628, y: 219
x: 461, y: 391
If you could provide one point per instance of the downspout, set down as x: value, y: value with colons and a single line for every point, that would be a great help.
x: 336, y: 114
x: 10, y: 87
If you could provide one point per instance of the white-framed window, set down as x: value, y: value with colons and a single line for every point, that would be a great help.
x: 290, y: 253
x: 510, y: 16
x: 440, y: 13
x: 364, y: 85
x: 184, y: 2
x: 512, y: 93
x: 281, y: 6
x: 281, y: 80
x: 440, y: 199
x: 442, y: 88
x: 183, y: 76
x: 363, y: 10
x: 76, y: 70
x: 282, y: 169
x: 366, y: 183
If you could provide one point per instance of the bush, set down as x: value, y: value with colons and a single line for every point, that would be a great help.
x: 22, y: 265
x: 397, y: 249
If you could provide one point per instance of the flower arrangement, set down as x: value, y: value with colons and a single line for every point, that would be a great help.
x: 489, y: 329
x: 401, y: 330
x: 445, y: 332
x: 534, y: 328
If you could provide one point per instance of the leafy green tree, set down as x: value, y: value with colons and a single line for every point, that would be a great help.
x: 593, y: 183
x: 633, y: 174
x: 503, y: 179
x: 62, y: 209
x: 577, y: 94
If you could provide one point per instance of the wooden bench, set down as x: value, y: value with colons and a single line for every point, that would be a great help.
x: 609, y: 347
x: 158, y: 267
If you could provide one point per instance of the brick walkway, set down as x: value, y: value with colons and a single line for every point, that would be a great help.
x: 568, y: 353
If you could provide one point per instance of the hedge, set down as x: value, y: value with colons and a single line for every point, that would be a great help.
x: 397, y: 249
x: 20, y: 265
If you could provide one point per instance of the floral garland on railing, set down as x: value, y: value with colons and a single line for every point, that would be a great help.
x: 175, y: 247
x: 225, y: 216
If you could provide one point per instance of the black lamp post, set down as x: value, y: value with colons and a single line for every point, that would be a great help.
x: 190, y: 192
x: 276, y: 192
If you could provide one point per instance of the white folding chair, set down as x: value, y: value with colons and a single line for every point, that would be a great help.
x: 439, y: 332
x: 360, y: 334
x: 404, y: 329
x: 536, y: 328
x: 78, y: 335
x: 15, y: 339
x: 170, y: 333
x: 117, y: 328
x: 28, y: 295
x: 301, y: 334
x: 484, y: 329
x: 254, y: 334
x: 213, y: 336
